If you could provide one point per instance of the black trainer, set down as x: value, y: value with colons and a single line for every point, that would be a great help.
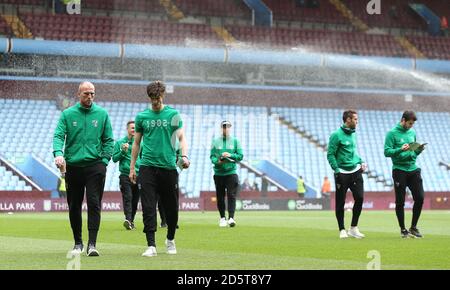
x: 414, y: 232
x: 92, y: 251
x: 404, y: 233
x: 77, y: 249
x: 127, y: 225
x: 133, y: 227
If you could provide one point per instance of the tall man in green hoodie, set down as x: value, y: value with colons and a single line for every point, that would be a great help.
x: 130, y: 191
x: 225, y: 152
x: 84, y: 131
x: 405, y: 171
x: 348, y: 167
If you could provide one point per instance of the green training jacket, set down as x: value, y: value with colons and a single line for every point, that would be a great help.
x: 221, y: 145
x: 395, y: 138
x: 86, y: 134
x: 342, y: 150
x: 124, y: 158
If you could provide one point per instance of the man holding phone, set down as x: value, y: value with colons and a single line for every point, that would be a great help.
x: 405, y: 171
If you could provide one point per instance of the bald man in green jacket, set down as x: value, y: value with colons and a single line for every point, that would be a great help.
x: 83, y: 143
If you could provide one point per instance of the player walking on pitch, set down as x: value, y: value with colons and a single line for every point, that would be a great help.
x: 348, y: 167
x: 158, y: 127
x: 84, y: 131
x: 130, y: 191
x: 398, y: 146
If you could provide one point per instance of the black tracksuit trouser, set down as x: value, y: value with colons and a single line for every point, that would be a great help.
x: 413, y: 180
x: 343, y: 182
x: 228, y: 186
x: 130, y: 197
x: 158, y: 183
x: 90, y: 179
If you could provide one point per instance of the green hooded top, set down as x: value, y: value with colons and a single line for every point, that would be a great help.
x: 342, y: 150
x: 86, y: 134
x: 225, y: 144
x: 125, y: 157
x: 395, y: 138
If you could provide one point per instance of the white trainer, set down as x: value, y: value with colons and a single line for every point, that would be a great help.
x: 231, y: 222
x: 354, y: 232
x: 171, y: 249
x: 92, y: 251
x: 150, y: 252
x: 343, y: 234
x: 77, y: 249
x: 76, y: 252
x: 222, y: 222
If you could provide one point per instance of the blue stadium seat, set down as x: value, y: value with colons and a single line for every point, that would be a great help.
x: 273, y: 139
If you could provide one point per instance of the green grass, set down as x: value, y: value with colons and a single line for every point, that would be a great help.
x: 261, y: 240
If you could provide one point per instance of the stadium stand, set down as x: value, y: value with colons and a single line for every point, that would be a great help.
x: 116, y: 29
x: 403, y: 17
x: 262, y: 136
x: 5, y: 29
x: 109, y: 21
x: 25, y: 2
x: 214, y: 8
x: 125, y: 28
x: 373, y: 126
x: 10, y: 181
x: 113, y: 29
x: 200, y: 122
x: 151, y: 6
x: 319, y: 40
x: 433, y: 47
x: 290, y: 11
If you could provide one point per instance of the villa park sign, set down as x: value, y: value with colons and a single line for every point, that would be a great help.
x: 16, y: 204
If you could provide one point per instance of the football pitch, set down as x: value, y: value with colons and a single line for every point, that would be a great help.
x: 261, y: 240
